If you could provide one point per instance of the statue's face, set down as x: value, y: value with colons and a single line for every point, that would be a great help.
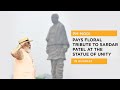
x: 54, y: 19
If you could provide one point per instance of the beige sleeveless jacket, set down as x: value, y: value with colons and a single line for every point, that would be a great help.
x: 24, y: 69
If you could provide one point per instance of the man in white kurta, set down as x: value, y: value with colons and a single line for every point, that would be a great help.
x: 23, y: 65
x: 57, y: 45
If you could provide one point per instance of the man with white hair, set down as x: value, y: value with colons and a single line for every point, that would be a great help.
x: 23, y: 66
x: 57, y: 46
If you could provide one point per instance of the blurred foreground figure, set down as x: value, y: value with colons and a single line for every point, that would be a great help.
x: 57, y: 46
x: 23, y: 66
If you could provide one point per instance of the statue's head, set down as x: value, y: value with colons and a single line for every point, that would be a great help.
x: 54, y: 18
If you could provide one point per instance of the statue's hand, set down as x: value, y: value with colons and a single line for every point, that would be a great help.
x: 65, y: 48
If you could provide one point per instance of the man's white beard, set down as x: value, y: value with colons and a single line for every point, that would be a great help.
x: 27, y: 49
